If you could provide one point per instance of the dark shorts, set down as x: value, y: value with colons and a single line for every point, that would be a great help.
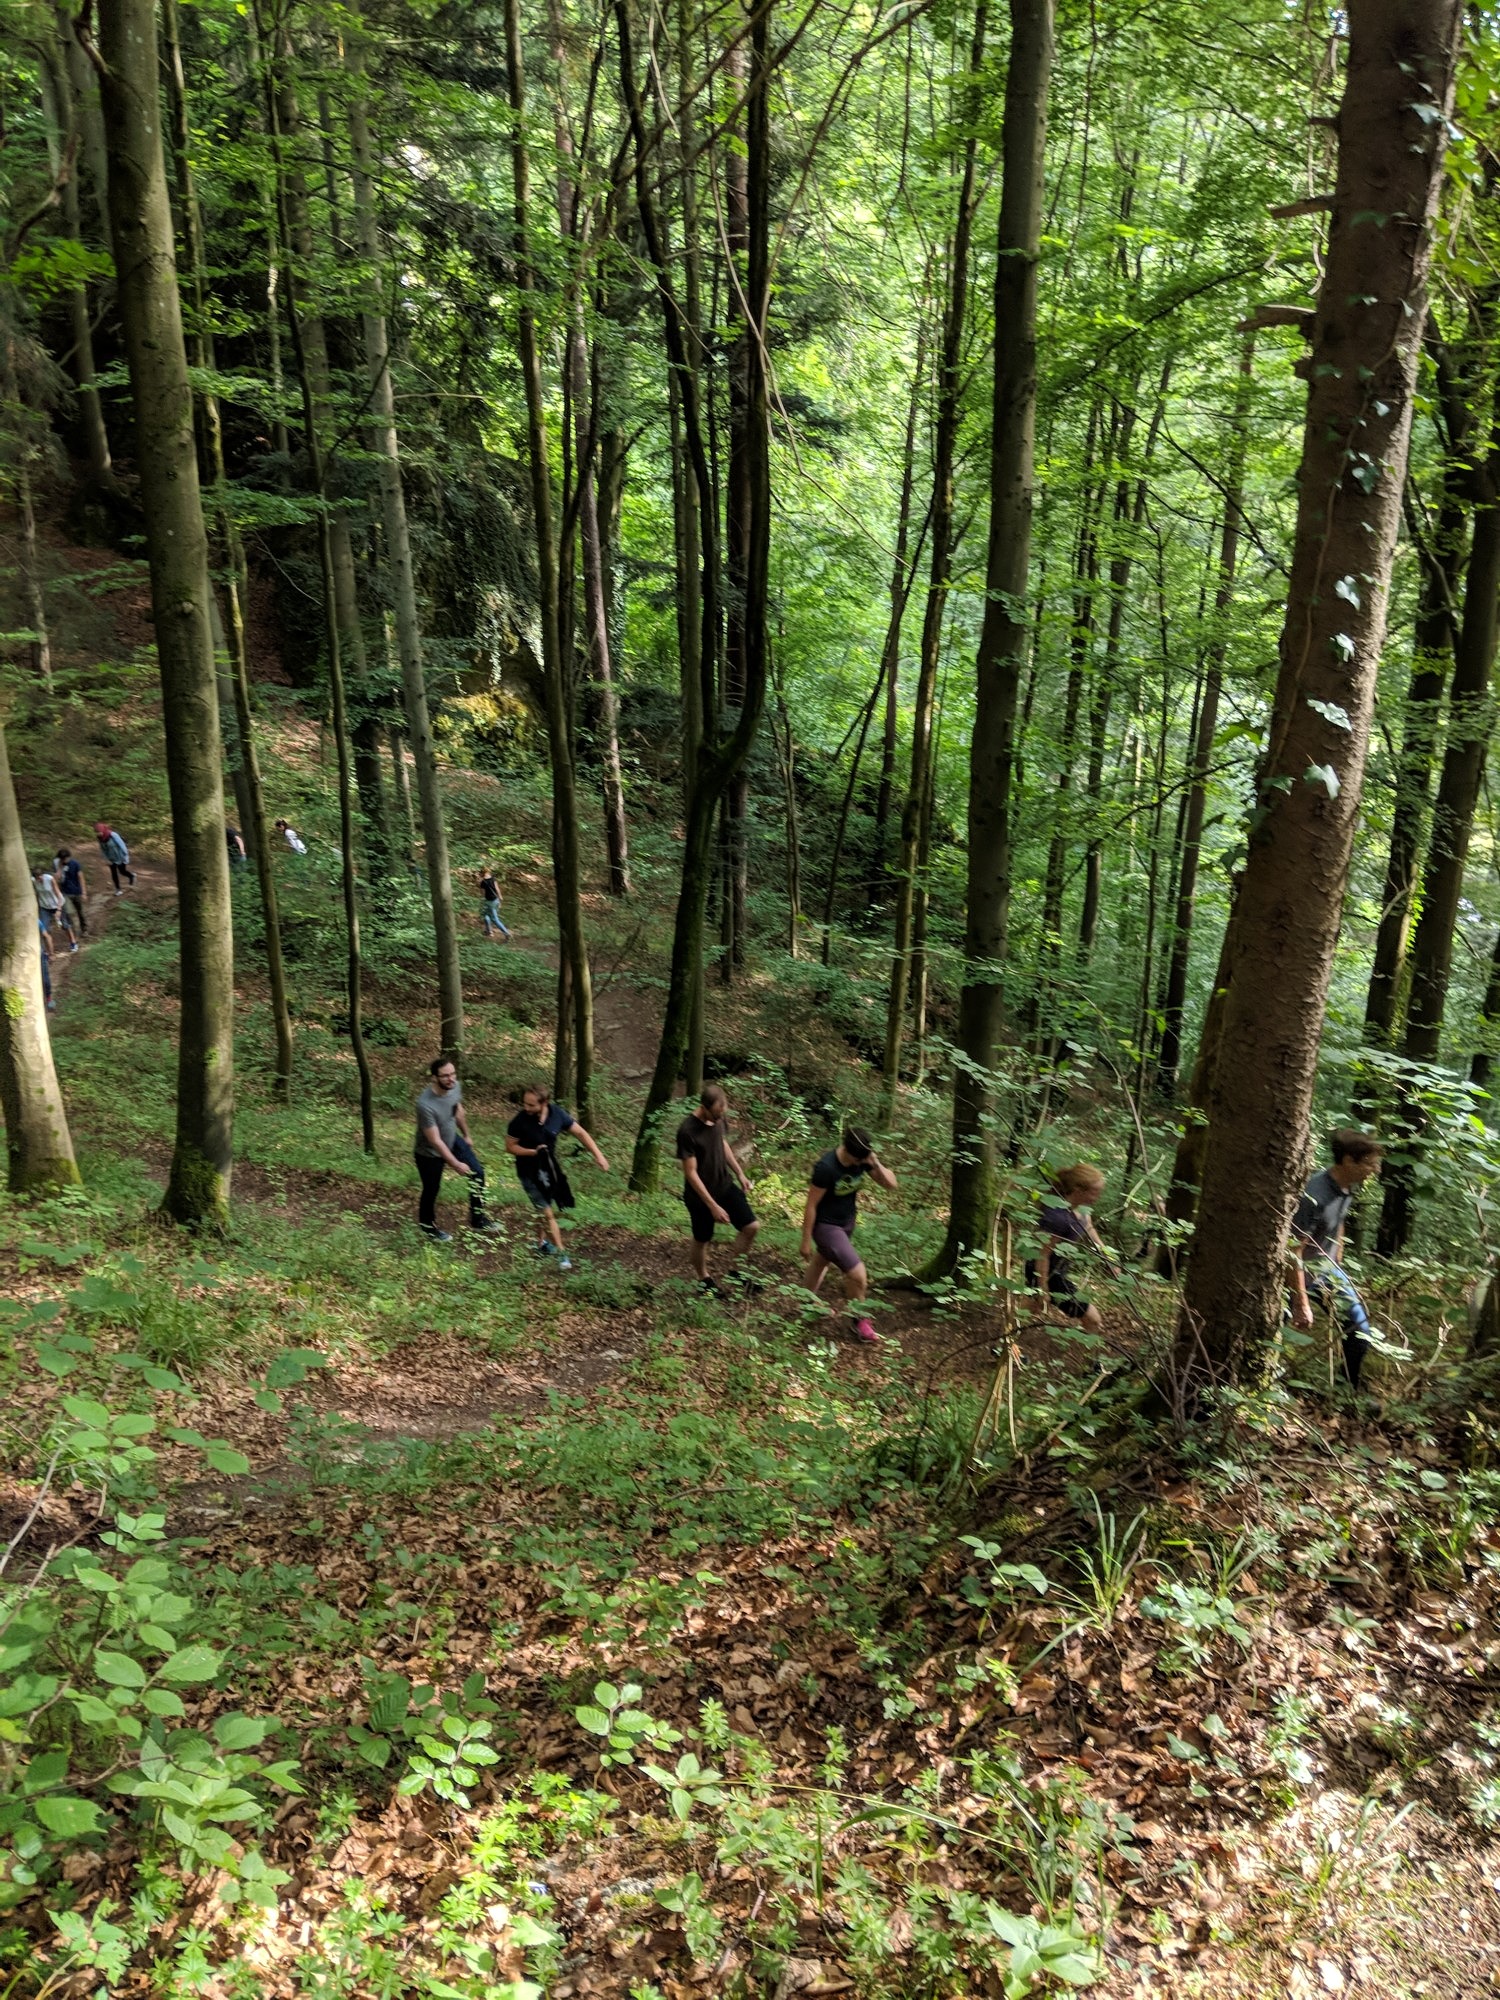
x: 832, y: 1242
x: 536, y: 1194
x: 735, y: 1204
x: 1064, y: 1293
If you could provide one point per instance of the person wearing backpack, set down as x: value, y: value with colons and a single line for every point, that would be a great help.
x: 116, y: 853
x: 74, y: 888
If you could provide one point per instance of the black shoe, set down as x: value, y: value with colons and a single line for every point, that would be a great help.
x: 712, y: 1287
x: 437, y: 1235
x: 482, y: 1226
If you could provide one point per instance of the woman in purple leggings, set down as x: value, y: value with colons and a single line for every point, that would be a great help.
x: 828, y: 1220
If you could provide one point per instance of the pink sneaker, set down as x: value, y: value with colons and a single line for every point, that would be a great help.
x: 865, y: 1332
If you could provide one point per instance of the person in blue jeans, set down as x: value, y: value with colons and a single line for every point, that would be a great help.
x: 443, y: 1144
x: 489, y: 905
x: 1319, y: 1281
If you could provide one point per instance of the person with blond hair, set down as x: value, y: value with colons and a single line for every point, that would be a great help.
x: 1064, y: 1222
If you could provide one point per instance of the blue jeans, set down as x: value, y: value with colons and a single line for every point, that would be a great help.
x: 492, y: 918
x: 1331, y: 1289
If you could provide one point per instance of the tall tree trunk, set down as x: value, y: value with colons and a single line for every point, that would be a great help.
x: 944, y: 445
x: 369, y: 784
x: 596, y: 610
x: 65, y: 142
x: 721, y: 756
x: 1482, y: 1065
x: 1421, y: 727
x: 38, y: 1147
x: 22, y: 423
x: 738, y: 526
x: 384, y: 442
x: 1003, y: 636
x: 1169, y: 1061
x: 1361, y: 368
x: 903, y: 575
x: 312, y: 372
x: 177, y: 550
x: 249, y: 793
x: 567, y: 859
x: 1470, y: 722
x: 396, y: 744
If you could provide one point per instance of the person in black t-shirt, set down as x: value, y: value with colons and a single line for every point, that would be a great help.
x: 1317, y: 1269
x: 1062, y: 1221
x: 714, y: 1186
x: 531, y: 1140
x: 828, y: 1219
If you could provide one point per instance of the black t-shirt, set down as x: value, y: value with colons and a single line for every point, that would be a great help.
x: 1060, y: 1220
x: 705, y: 1144
x: 839, y: 1204
x: 72, y: 878
x: 489, y: 888
x: 529, y: 1130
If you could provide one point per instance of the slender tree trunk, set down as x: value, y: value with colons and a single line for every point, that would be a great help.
x: 21, y: 421
x: 596, y: 607
x: 177, y: 550
x: 720, y: 758
x: 38, y: 1147
x: 1392, y: 126
x: 1482, y: 1065
x: 312, y: 373
x: 903, y: 574
x: 1170, y: 1059
x: 1470, y: 723
x: 369, y: 784
x: 249, y: 793
x: 1003, y: 637
x: 65, y: 143
x: 1421, y: 726
x: 567, y: 859
x: 786, y: 752
x: 945, y: 440
x: 841, y: 826
x: 396, y: 744
x: 385, y: 444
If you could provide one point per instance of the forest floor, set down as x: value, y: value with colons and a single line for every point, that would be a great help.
x: 987, y: 1694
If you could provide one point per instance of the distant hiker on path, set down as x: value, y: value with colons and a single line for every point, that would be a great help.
x: 52, y: 911
x: 234, y: 840
x: 1318, y: 1275
x: 531, y: 1140
x: 829, y: 1216
x: 443, y: 1142
x: 489, y: 904
x: 291, y: 836
x: 74, y: 887
x: 714, y: 1185
x: 1063, y: 1222
x: 116, y: 853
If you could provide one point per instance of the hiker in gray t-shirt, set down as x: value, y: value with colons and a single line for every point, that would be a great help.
x: 1317, y: 1270
x: 443, y: 1141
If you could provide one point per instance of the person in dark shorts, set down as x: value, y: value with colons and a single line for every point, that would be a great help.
x: 531, y: 1140
x: 74, y: 888
x: 443, y: 1142
x: 1319, y: 1280
x: 828, y: 1221
x: 714, y: 1185
x: 1063, y: 1222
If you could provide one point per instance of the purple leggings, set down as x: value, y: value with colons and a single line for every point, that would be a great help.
x: 831, y: 1240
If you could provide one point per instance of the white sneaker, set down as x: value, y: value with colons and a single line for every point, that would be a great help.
x: 565, y: 1263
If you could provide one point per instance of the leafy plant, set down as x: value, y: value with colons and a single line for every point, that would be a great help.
x: 616, y: 1716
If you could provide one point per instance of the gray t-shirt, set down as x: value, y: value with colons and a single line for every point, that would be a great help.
x: 434, y: 1108
x: 1321, y: 1211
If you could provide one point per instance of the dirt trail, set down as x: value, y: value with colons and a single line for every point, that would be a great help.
x: 625, y: 1029
x: 153, y: 882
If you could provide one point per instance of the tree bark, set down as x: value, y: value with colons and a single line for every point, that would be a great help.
x: 903, y: 574
x: 1421, y: 726
x: 1470, y: 724
x: 1004, y: 635
x: 21, y: 421
x: 384, y: 441
x: 38, y: 1146
x: 944, y: 446
x: 1361, y: 371
x: 1169, y: 1060
x: 567, y: 859
x: 177, y: 550
x: 249, y: 793
x: 721, y: 755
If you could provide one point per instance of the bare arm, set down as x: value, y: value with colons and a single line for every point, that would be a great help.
x: 519, y: 1152
x: 810, y: 1218
x: 694, y: 1180
x: 584, y: 1139
x: 881, y: 1174
x: 744, y: 1178
x: 434, y: 1139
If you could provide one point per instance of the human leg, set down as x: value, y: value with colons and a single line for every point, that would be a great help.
x: 78, y: 912
x: 430, y: 1173
x: 474, y: 1186
x: 1334, y: 1289
x: 701, y: 1222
